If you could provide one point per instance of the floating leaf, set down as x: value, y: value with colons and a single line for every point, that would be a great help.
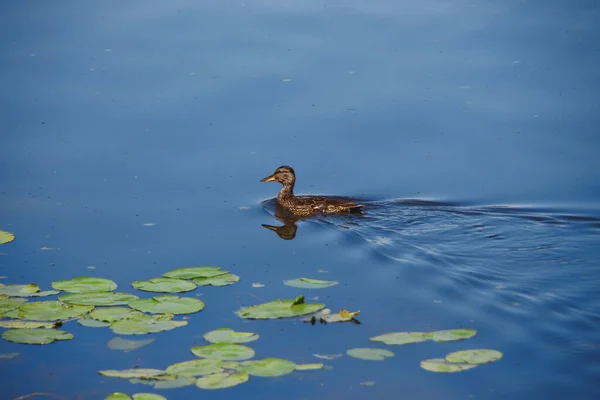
x: 126, y: 345
x: 112, y: 314
x: 49, y: 311
x: 166, y: 381
x: 308, y: 283
x: 308, y: 367
x: 30, y: 290
x: 117, y: 396
x: 27, y: 324
x: 222, y: 381
x: 400, y: 338
x: 268, y: 367
x: 8, y: 356
x: 92, y: 323
x: 10, y: 304
x: 168, y: 305
x: 370, y: 354
x: 85, y: 284
x: 98, y: 298
x: 35, y: 336
x: 226, y: 335
x: 451, y: 335
x: 477, y: 356
x: 196, y: 367
x: 224, y: 351
x: 367, y: 383
x: 441, y: 365
x: 327, y: 318
x: 195, y: 272
x: 220, y: 280
x: 148, y: 396
x: 143, y: 324
x: 164, y: 285
x: 328, y: 356
x: 280, y: 309
x: 6, y: 237
x: 132, y: 373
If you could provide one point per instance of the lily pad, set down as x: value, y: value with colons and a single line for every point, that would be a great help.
x: 195, y: 272
x: 126, y: 345
x: 168, y: 305
x: 35, y: 336
x: 92, y: 323
x: 280, y: 309
x: 224, y: 351
x: 117, y: 396
x: 132, y: 373
x: 441, y: 365
x: 226, y: 335
x: 220, y: 280
x: 6, y: 237
x: 27, y: 324
x: 143, y: 324
x: 98, y: 298
x: 148, y: 396
x: 30, y: 290
x: 48, y: 311
x: 166, y: 381
x: 268, y: 367
x: 370, y: 354
x: 10, y: 304
x: 308, y: 283
x: 222, y: 381
x: 400, y: 338
x: 112, y: 314
x: 309, y: 367
x: 451, y: 335
x: 477, y: 356
x: 196, y: 367
x: 164, y: 285
x: 85, y: 284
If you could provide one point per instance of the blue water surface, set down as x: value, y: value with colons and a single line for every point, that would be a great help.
x: 134, y: 136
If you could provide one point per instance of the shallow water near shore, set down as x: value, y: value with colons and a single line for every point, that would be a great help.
x: 134, y: 138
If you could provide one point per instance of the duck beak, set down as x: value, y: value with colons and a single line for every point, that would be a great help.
x: 269, y: 178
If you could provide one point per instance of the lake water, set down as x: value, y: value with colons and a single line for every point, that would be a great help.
x: 469, y: 128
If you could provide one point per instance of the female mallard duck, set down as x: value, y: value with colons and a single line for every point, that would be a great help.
x: 306, y: 205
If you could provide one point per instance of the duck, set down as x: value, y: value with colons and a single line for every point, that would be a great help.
x: 303, y: 206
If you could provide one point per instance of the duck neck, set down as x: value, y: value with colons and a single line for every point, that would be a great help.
x: 287, y: 191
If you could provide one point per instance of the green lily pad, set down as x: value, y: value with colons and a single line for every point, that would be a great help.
x: 308, y: 283
x: 143, y: 324
x: 477, y: 356
x: 280, y: 309
x: 148, y: 396
x: 8, y: 356
x: 161, y: 382
x: 195, y: 272
x: 98, y: 298
x: 117, y: 396
x: 222, y: 381
x: 26, y: 324
x: 92, y: 323
x: 268, y: 367
x: 35, y: 336
x: 126, y: 345
x: 164, y: 285
x: 168, y: 305
x: 370, y: 354
x: 451, y: 335
x: 9, y: 304
x: 85, y: 284
x: 224, y: 351
x: 132, y: 373
x: 226, y: 335
x: 441, y: 365
x: 48, y: 311
x: 196, y: 367
x: 6, y: 237
x: 400, y: 338
x: 219, y: 280
x: 30, y: 290
x: 112, y: 314
x: 309, y: 367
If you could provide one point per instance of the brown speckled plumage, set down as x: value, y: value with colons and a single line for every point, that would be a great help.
x: 306, y: 205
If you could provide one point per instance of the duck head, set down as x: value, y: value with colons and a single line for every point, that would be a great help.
x: 284, y: 175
